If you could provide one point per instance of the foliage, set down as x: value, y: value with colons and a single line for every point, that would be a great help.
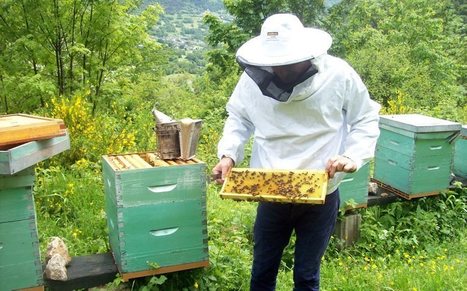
x: 403, y: 226
x: 442, y: 267
x: 412, y: 50
x: 60, y: 195
x: 57, y: 48
x: 92, y: 137
x: 411, y: 54
x: 394, y: 238
x: 172, y: 6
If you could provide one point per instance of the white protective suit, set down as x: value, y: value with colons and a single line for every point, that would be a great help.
x: 329, y: 114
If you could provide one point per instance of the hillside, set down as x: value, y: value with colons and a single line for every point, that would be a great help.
x: 181, y: 28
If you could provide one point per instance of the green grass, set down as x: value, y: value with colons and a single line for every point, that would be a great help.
x: 70, y: 205
x: 442, y: 269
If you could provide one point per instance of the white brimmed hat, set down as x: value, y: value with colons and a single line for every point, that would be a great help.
x: 283, y: 41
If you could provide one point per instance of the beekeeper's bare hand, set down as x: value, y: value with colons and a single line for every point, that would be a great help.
x: 340, y: 164
x: 221, y: 170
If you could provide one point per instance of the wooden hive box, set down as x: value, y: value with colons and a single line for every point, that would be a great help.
x: 16, y: 158
x: 414, y: 154
x: 20, y: 262
x: 460, y: 154
x: 156, y: 213
x: 354, y: 188
x: 293, y: 186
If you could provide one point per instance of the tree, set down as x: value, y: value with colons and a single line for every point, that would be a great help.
x: 407, y: 49
x: 60, y: 47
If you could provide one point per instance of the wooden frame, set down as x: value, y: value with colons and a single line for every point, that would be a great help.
x: 164, y: 270
x: 403, y: 194
x: 265, y: 180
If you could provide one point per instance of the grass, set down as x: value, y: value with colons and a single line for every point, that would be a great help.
x: 442, y: 269
x: 70, y: 204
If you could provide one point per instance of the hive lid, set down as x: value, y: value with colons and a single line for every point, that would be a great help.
x: 419, y: 123
x: 22, y: 128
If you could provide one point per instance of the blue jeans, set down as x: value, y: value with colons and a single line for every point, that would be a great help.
x: 313, y: 225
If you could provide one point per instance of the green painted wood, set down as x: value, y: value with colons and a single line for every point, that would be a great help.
x: 354, y: 187
x: 23, y: 178
x: 20, y: 264
x: 16, y: 204
x: 163, y: 184
x: 460, y: 154
x: 109, y: 180
x: 414, y: 162
x: 156, y: 216
x: 166, y: 234
x: 424, y: 135
x: 114, y: 233
x: 421, y: 144
x: 25, y: 155
x: 426, y: 180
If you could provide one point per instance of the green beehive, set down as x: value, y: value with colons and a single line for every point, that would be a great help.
x: 460, y: 154
x: 20, y: 263
x: 414, y: 154
x: 156, y: 213
x: 25, y: 155
x: 353, y: 189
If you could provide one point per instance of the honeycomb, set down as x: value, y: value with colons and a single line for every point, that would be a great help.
x: 275, y: 185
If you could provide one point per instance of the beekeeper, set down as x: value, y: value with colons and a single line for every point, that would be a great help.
x: 306, y: 110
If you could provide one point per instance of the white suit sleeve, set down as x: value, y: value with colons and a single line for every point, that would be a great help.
x: 362, y: 115
x: 238, y: 127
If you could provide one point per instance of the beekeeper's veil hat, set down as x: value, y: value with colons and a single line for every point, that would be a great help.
x: 284, y: 40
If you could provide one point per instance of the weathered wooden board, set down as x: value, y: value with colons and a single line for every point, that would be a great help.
x: 20, y: 128
x: 295, y: 186
x: 86, y: 272
x: 165, y: 270
x: 156, y: 215
x: 348, y: 229
x: 418, y: 123
x: 20, y: 157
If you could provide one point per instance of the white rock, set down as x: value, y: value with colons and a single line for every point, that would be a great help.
x: 57, y: 246
x: 56, y: 268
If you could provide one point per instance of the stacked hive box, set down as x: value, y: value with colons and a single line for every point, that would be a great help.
x: 460, y: 154
x: 156, y: 213
x: 353, y: 189
x: 20, y: 263
x: 414, y: 154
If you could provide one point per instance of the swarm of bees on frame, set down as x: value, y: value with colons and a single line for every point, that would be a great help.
x: 292, y: 185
